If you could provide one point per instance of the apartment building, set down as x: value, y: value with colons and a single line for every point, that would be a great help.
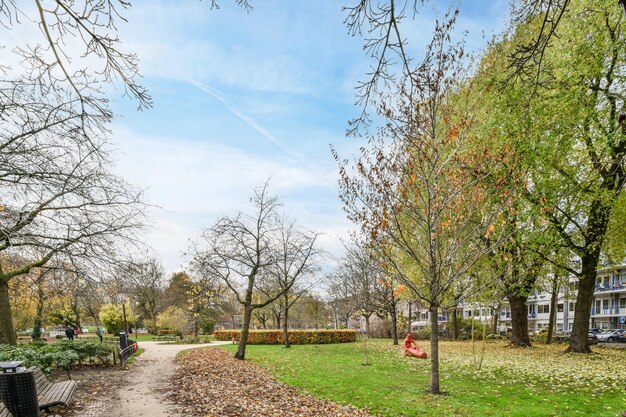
x: 608, y: 309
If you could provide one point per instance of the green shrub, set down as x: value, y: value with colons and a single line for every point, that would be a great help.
x: 296, y: 337
x: 62, y: 354
x: 208, y: 326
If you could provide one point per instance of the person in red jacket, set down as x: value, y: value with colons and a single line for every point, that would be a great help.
x: 409, y: 343
x: 412, y: 348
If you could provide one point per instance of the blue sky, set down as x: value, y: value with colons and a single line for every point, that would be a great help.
x: 241, y: 97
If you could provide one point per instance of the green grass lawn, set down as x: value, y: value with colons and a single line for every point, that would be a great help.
x: 541, y: 381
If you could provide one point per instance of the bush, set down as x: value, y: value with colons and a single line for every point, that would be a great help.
x: 296, y: 337
x: 464, y: 329
x: 62, y: 354
x: 111, y: 316
x: 495, y: 336
x: 207, y: 326
x: 172, y: 320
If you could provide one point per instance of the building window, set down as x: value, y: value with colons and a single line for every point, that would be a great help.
x: 622, y: 303
x: 543, y: 308
x: 559, y: 308
x: 571, y: 306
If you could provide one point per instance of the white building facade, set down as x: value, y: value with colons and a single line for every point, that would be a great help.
x: 608, y: 309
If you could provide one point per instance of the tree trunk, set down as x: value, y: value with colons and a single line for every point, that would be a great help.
x: 553, y: 301
x: 455, y: 324
x: 519, y: 320
x: 7, y: 333
x: 496, y: 313
x: 582, y: 313
x: 243, y: 340
x: 434, y: 351
x: 154, y: 325
x: 36, y: 335
x: 286, y: 326
x: 394, y: 324
x: 367, y: 325
x: 410, y: 329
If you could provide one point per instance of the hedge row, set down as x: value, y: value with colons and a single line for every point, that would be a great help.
x: 296, y: 337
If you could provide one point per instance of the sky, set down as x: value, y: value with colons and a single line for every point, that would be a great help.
x: 243, y: 97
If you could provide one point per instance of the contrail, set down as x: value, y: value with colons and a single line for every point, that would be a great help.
x: 249, y: 121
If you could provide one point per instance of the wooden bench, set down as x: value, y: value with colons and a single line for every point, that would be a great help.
x: 4, y: 411
x: 52, y: 393
x: 165, y: 338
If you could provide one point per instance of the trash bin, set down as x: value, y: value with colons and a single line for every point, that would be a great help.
x: 17, y: 390
x: 123, y: 340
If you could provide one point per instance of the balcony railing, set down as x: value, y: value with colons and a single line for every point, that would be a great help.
x: 611, y: 287
x: 605, y: 311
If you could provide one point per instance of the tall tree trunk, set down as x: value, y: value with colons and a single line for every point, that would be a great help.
x: 410, y: 329
x: 7, y: 333
x: 582, y: 313
x: 367, y: 325
x: 245, y: 330
x: 36, y: 335
x: 455, y: 323
x: 554, y: 293
x: 285, y: 325
x: 496, y: 313
x: 434, y: 351
x: 154, y: 325
x: 519, y: 320
x: 394, y: 323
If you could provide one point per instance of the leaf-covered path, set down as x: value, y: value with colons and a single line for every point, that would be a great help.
x: 142, y: 393
x: 211, y: 382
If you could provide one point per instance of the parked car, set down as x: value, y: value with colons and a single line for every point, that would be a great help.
x: 602, y: 337
x: 563, y: 336
x: 618, y: 336
x: 596, y: 330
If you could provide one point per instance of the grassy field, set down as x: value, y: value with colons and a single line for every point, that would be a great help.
x: 541, y: 381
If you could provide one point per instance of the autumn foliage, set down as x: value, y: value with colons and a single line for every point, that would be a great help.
x: 296, y: 337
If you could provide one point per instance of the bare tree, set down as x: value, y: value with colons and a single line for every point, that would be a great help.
x: 341, y: 300
x: 58, y: 201
x: 296, y: 257
x: 147, y: 288
x: 243, y: 252
x: 359, y: 275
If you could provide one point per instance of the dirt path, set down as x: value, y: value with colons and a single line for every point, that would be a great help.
x: 151, y: 371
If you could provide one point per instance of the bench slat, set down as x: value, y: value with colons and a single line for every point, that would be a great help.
x: 52, y: 393
x: 4, y: 411
x: 59, y: 393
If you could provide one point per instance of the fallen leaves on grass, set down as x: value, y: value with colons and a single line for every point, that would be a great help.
x: 211, y: 382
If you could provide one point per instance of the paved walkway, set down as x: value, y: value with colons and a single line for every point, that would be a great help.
x: 151, y: 371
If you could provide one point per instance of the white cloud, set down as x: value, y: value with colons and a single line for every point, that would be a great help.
x: 195, y: 182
